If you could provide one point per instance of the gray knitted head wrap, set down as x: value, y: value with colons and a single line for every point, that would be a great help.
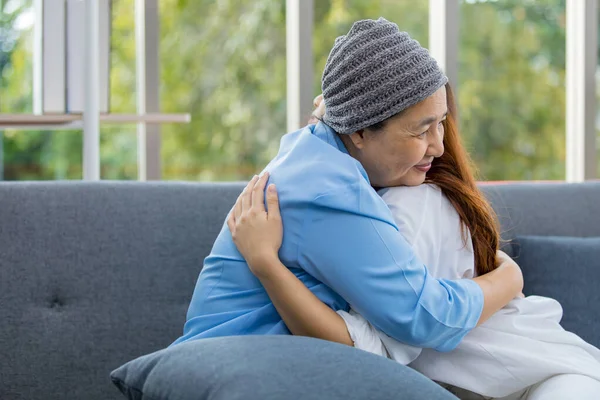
x: 373, y: 73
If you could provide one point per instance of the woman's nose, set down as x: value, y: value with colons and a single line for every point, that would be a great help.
x: 436, y: 145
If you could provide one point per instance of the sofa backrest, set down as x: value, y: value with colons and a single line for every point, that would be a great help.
x: 95, y: 274
x: 546, y: 209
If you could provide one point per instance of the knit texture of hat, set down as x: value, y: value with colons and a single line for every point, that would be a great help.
x: 373, y: 73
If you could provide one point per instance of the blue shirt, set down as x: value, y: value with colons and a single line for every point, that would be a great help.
x: 340, y: 240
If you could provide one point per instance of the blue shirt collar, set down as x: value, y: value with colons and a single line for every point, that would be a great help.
x: 328, y: 135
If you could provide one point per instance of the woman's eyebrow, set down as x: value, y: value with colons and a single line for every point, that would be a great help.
x: 429, y: 120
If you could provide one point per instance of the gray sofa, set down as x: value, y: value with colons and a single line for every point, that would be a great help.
x: 93, y: 275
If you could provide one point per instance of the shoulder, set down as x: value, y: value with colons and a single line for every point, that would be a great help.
x: 311, y: 175
x: 408, y: 194
x: 415, y: 199
x: 420, y: 208
x: 316, y: 167
x: 313, y: 167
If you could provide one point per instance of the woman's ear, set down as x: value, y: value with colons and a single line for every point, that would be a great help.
x: 358, y: 138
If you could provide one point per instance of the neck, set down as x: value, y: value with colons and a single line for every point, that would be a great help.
x: 348, y: 144
x: 347, y: 141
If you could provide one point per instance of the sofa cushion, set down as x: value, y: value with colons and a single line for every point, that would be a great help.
x: 270, y: 367
x: 566, y: 269
x: 95, y: 274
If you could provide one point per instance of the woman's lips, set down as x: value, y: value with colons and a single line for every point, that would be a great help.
x: 423, y: 167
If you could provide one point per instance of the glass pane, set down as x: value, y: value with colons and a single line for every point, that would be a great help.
x: 16, y: 56
x: 223, y: 62
x: 118, y: 143
x: 335, y: 17
x: 122, y: 58
x: 118, y: 152
x: 48, y: 155
x: 41, y: 155
x: 511, y: 90
x: 28, y: 154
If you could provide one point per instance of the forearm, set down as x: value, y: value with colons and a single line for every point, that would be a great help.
x: 499, y: 287
x: 302, y: 311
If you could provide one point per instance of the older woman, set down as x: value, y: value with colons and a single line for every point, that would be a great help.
x: 521, y: 352
x: 387, y: 110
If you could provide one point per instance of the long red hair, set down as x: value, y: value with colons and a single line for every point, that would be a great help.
x: 453, y: 172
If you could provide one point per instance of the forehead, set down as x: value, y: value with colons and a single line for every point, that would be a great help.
x: 435, y: 105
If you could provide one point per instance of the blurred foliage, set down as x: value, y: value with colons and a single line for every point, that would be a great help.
x: 224, y: 62
x: 511, y: 89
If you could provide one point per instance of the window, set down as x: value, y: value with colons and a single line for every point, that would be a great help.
x: 224, y: 62
x: 28, y: 154
x: 57, y: 154
x: 511, y: 89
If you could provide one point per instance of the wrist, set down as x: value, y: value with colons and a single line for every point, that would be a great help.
x: 264, y: 265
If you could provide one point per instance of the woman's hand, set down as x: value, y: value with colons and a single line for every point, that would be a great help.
x: 319, y: 110
x: 257, y: 233
x: 499, y: 286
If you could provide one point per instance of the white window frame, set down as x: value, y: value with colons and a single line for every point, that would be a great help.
x: 581, y: 65
x: 147, y: 87
x: 443, y: 36
x: 299, y: 62
x: 91, y: 113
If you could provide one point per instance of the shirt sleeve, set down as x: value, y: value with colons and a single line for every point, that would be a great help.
x: 363, y: 334
x: 368, y: 262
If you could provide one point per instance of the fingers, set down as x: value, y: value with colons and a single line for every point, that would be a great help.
x: 273, y: 203
x: 247, y: 194
x: 231, y: 222
x: 237, y: 208
x: 258, y: 193
x: 317, y: 101
x: 319, y: 111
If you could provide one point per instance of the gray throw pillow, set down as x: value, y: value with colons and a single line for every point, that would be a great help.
x: 566, y: 269
x: 270, y: 367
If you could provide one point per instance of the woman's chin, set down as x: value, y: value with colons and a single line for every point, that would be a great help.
x: 413, y: 178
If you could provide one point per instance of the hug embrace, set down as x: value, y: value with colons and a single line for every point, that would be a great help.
x: 368, y: 229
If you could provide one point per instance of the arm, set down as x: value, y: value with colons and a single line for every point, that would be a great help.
x: 305, y: 315
x: 302, y: 311
x: 499, y: 285
x: 387, y: 284
x: 368, y: 262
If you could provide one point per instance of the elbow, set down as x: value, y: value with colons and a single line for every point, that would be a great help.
x: 406, y: 327
x: 421, y: 329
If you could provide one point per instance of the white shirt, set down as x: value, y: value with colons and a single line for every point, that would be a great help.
x: 519, y: 346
